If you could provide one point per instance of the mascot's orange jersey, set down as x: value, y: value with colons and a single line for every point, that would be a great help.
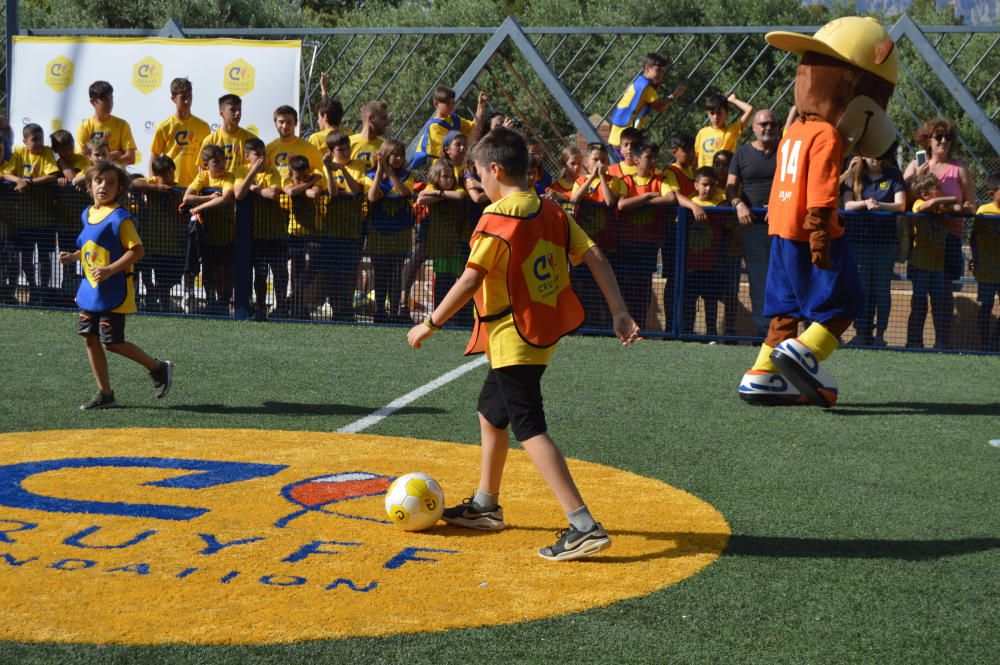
x: 807, y: 176
x: 542, y: 302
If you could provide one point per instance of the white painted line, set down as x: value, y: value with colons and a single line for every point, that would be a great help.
x: 412, y: 396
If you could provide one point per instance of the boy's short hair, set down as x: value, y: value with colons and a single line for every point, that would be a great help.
x: 648, y: 146
x: 506, y: 148
x: 212, y: 151
x: 572, y: 150
x: 654, y: 60
x: 100, y: 90
x: 534, y: 162
x: 93, y: 145
x: 230, y: 100
x: 683, y: 141
x: 443, y: 93
x: 255, y: 144
x: 298, y: 163
x: 104, y: 166
x: 599, y: 147
x: 925, y: 182
x: 32, y: 128
x: 179, y: 86
x: 332, y: 109
x: 450, y: 137
x: 993, y: 182
x: 62, y: 138
x: 337, y: 140
x: 440, y: 167
x: 372, y: 107
x: 705, y: 172
x: 284, y: 109
x: 716, y: 102
x: 722, y: 153
x: 163, y: 165
x: 630, y: 134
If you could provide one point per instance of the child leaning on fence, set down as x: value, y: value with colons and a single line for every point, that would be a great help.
x: 269, y: 249
x: 109, y: 247
x: 519, y: 335
x: 926, y: 268
x: 166, y: 233
x: 390, y: 216
x: 706, y: 250
x: 986, y: 263
x: 341, y: 250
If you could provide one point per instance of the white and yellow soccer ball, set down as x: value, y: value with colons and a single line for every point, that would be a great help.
x: 414, y: 502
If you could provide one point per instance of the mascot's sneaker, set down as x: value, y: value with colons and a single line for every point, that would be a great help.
x: 798, y: 364
x: 769, y: 389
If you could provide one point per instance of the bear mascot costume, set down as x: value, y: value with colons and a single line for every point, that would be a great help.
x: 847, y: 73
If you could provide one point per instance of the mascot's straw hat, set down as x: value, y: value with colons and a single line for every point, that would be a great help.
x: 863, y: 43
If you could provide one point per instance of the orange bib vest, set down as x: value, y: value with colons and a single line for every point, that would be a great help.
x: 644, y: 225
x: 542, y: 301
x: 683, y: 181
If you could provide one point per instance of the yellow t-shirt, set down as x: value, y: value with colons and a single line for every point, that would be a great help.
x: 718, y: 197
x: 129, y: 238
x: 711, y: 140
x: 490, y: 255
x: 181, y: 140
x: 280, y: 151
x: 356, y: 169
x: 231, y: 143
x: 929, y: 231
x: 318, y: 139
x: 986, y: 233
x: 78, y: 162
x: 115, y: 131
x: 25, y: 164
x: 269, y: 221
x: 362, y: 150
x: 205, y: 180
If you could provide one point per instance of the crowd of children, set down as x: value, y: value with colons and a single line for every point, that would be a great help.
x: 347, y: 225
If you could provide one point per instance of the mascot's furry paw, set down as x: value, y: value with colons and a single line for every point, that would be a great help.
x: 768, y: 389
x: 798, y: 364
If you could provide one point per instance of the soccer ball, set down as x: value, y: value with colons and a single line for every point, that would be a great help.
x: 414, y: 502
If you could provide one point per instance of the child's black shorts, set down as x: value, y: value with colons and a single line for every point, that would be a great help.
x: 513, y: 396
x: 108, y: 326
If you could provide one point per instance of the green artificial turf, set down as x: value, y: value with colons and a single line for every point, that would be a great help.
x: 864, y: 533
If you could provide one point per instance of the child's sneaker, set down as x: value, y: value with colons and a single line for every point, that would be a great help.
x: 573, y: 544
x: 470, y: 515
x: 100, y: 401
x: 163, y: 378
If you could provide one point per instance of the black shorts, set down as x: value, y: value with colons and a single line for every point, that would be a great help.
x: 513, y: 396
x: 109, y: 326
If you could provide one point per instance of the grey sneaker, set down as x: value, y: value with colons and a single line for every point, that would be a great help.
x: 573, y: 544
x: 163, y: 378
x: 470, y: 515
x: 100, y: 401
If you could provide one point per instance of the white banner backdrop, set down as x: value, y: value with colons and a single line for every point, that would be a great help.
x: 51, y: 76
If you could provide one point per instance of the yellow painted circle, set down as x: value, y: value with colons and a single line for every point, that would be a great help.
x: 279, y: 552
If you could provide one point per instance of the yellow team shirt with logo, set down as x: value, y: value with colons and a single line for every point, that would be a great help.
x: 490, y: 255
x: 114, y: 130
x: 356, y: 170
x: 362, y: 150
x: 986, y: 232
x: 129, y: 239
x: 318, y: 139
x: 280, y: 151
x: 718, y: 197
x: 181, y: 140
x: 231, y: 143
x: 711, y: 140
x: 25, y: 164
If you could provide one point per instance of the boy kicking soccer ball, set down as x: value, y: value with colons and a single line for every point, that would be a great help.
x: 519, y: 334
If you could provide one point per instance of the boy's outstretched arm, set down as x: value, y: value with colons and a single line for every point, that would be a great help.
x: 465, y: 287
x: 625, y: 327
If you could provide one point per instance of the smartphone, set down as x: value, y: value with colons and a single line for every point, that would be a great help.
x: 921, y: 157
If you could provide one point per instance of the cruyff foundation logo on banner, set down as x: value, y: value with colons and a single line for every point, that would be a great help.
x: 246, y: 536
x: 238, y: 77
x: 147, y: 75
x: 59, y: 73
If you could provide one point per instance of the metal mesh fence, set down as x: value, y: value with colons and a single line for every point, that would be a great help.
x: 929, y: 281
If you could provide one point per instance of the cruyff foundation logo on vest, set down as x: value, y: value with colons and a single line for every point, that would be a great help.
x: 249, y: 536
x: 546, y: 279
x: 238, y: 77
x: 93, y: 256
x: 59, y: 73
x: 147, y: 75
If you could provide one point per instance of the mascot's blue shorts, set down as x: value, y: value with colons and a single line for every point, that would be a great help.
x: 798, y: 289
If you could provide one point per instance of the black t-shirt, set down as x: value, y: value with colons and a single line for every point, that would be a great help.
x: 755, y: 169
